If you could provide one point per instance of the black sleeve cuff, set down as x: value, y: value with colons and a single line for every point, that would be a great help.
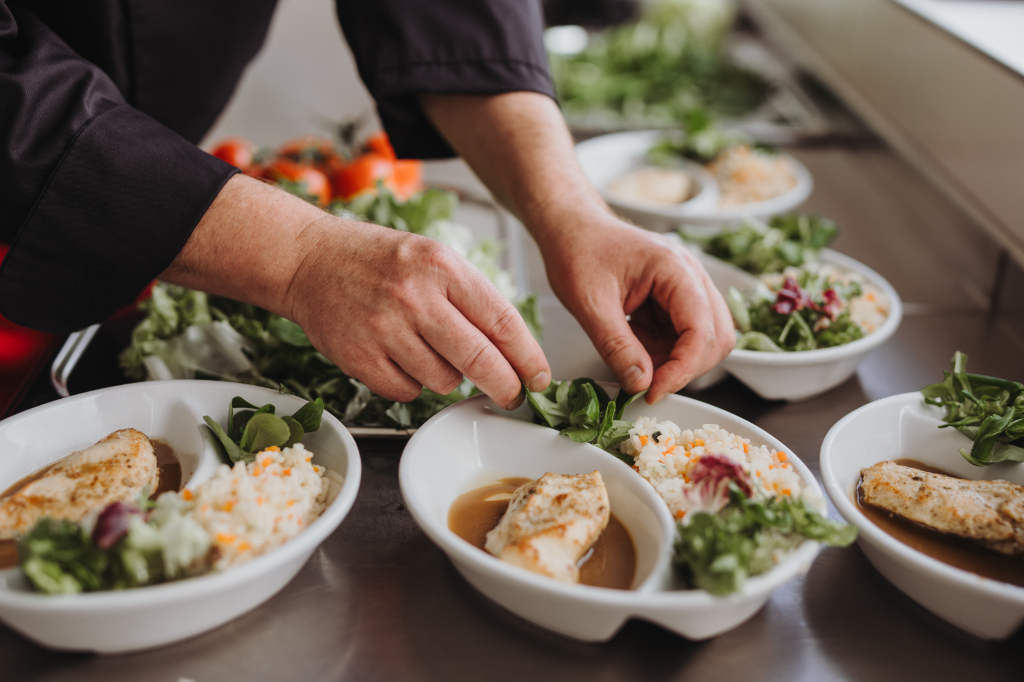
x: 118, y: 208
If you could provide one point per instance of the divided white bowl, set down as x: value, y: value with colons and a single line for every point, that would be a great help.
x: 473, y: 443
x: 171, y: 411
x: 607, y: 157
x: 803, y: 374
x: 902, y: 426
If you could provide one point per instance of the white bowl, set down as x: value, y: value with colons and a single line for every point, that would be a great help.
x: 172, y: 411
x: 902, y: 426
x: 473, y: 443
x: 799, y: 375
x: 608, y: 157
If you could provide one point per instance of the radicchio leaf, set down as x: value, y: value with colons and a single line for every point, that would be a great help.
x: 112, y: 524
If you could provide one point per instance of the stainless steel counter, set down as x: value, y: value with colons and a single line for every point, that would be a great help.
x: 379, y: 602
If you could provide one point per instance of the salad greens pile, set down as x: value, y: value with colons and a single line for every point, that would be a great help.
x: 718, y: 552
x: 657, y: 70
x: 784, y: 241
x: 713, y: 551
x: 699, y: 140
x: 583, y: 411
x: 186, y: 333
x: 806, y: 313
x: 255, y: 429
x: 988, y: 410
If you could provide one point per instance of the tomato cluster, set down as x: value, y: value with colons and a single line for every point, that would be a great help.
x: 320, y: 170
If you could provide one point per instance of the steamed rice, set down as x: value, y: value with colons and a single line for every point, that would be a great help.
x: 250, y: 508
x: 664, y: 454
x: 747, y: 175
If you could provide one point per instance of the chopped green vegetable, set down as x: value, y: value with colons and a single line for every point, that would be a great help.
x: 988, y: 410
x: 699, y: 140
x: 718, y: 552
x: 757, y: 247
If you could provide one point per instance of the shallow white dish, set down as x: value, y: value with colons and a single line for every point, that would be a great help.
x: 803, y: 374
x: 473, y: 443
x: 902, y: 426
x: 152, y: 616
x: 608, y: 157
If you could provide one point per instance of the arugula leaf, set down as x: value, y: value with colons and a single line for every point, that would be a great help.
x: 257, y: 428
x: 582, y: 411
x: 758, y: 247
x: 231, y: 449
x: 988, y: 410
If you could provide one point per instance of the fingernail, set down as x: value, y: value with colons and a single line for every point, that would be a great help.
x: 632, y: 375
x: 516, y: 402
x: 539, y: 381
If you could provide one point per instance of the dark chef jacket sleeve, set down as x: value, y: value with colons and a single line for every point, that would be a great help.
x: 96, y: 198
x: 406, y: 47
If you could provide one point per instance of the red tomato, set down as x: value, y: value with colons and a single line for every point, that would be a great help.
x: 312, y: 151
x: 378, y: 143
x: 408, y: 178
x: 361, y: 175
x: 236, y: 151
x: 305, y: 179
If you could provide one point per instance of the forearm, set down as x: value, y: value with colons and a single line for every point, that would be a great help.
x: 518, y: 144
x: 250, y: 243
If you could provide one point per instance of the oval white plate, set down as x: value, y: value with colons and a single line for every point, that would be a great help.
x: 902, y: 426
x: 608, y: 157
x: 473, y: 442
x: 151, y: 616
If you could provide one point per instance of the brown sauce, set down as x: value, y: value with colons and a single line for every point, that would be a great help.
x: 961, y: 553
x: 168, y: 479
x: 611, y: 562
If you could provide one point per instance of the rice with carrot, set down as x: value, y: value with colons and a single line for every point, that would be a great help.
x: 250, y: 508
x: 673, y: 460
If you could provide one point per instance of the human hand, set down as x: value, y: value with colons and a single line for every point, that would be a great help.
x: 679, y: 325
x: 399, y: 311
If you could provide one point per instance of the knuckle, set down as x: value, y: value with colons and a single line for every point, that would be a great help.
x: 480, y: 361
x: 505, y: 325
x: 614, y: 345
x: 446, y: 384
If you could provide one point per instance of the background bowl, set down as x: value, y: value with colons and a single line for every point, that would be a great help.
x: 607, y: 157
x: 802, y: 374
x: 902, y: 426
x: 172, y: 411
x: 473, y: 443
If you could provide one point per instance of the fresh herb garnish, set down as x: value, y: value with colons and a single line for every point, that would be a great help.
x: 757, y: 247
x: 718, y: 551
x: 255, y: 429
x: 988, y: 410
x: 583, y: 411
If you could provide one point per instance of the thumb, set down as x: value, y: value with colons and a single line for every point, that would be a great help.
x: 606, y: 325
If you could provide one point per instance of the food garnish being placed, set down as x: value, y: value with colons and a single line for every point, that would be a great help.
x: 990, y: 513
x: 120, y: 468
x: 550, y: 524
x: 740, y: 506
x: 988, y: 410
x: 806, y: 309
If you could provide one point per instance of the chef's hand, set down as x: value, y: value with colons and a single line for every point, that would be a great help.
x: 648, y: 306
x: 393, y: 309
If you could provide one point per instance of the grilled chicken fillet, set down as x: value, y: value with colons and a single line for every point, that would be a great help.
x: 118, y: 468
x: 989, y: 512
x: 550, y: 523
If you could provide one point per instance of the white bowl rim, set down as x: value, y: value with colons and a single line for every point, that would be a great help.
x: 824, y: 355
x: 155, y: 595
x: 752, y: 587
x: 786, y: 201
x: 867, y: 530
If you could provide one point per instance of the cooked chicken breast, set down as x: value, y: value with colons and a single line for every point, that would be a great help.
x: 550, y: 523
x: 118, y: 468
x: 990, y: 512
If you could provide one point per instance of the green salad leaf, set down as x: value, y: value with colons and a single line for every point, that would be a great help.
x: 718, y: 552
x: 657, y: 70
x: 757, y: 247
x: 988, y: 410
x: 257, y: 428
x: 584, y: 412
